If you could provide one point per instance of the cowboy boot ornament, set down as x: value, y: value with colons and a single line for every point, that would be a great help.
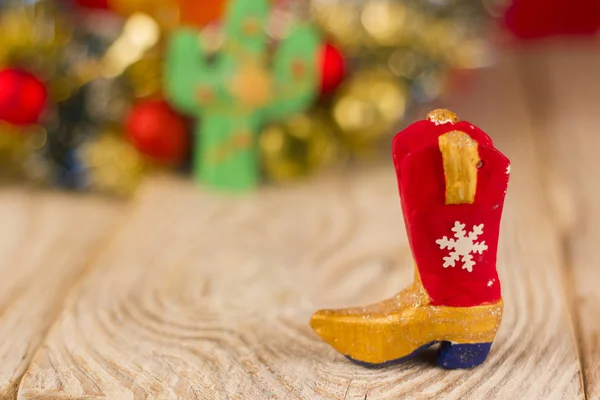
x: 452, y: 183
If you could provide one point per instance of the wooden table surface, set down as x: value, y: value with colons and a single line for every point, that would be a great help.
x: 182, y: 294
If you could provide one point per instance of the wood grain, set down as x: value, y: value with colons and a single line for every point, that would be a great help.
x: 45, y: 242
x: 568, y: 137
x: 208, y: 297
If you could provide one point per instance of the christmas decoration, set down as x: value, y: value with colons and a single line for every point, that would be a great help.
x: 368, y: 106
x: 236, y: 93
x: 145, y: 76
x: 333, y: 68
x: 99, y: 4
x: 165, y: 12
x: 298, y: 147
x: 158, y: 132
x: 450, y: 177
x: 112, y: 164
x: 199, y: 13
x: 267, y: 93
x: 18, y: 157
x: 534, y: 19
x: 22, y: 97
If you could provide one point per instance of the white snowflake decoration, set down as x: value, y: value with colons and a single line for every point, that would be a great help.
x: 462, y: 246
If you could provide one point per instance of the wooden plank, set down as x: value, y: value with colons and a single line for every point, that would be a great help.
x: 208, y: 297
x: 568, y: 138
x: 46, y: 240
x: 530, y: 258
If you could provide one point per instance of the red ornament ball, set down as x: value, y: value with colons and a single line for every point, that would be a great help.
x: 534, y: 19
x: 332, y: 67
x: 100, y: 4
x: 158, y: 132
x: 22, y: 97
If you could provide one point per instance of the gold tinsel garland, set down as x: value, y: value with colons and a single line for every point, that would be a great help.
x: 399, y: 53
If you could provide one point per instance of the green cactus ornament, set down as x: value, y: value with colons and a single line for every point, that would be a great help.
x: 234, y: 94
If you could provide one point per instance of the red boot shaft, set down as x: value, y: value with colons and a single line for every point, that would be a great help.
x: 454, y: 242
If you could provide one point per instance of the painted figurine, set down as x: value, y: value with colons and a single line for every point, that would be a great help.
x: 452, y: 183
x: 235, y: 91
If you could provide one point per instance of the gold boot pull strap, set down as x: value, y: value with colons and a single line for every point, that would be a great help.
x: 461, y: 158
x: 442, y: 116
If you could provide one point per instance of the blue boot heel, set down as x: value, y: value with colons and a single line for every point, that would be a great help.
x: 454, y: 355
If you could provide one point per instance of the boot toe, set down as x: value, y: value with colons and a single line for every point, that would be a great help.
x: 353, y: 333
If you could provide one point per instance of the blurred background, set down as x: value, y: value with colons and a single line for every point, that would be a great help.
x: 98, y: 96
x: 94, y: 94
